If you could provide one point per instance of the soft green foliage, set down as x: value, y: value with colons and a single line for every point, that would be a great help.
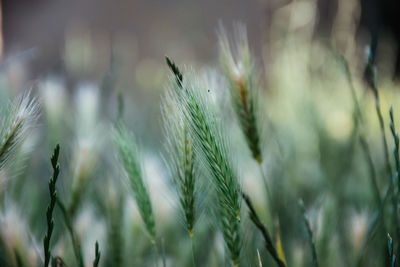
x: 128, y: 155
x: 209, y: 139
x: 50, y: 208
x: 238, y: 67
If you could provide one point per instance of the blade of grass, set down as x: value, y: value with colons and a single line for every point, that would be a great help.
x: 267, y: 238
x: 309, y: 234
x: 360, y: 120
x: 97, y: 255
x: 50, y: 208
x: 74, y: 238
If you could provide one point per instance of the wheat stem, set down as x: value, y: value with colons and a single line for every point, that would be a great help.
x: 97, y: 255
x: 397, y: 172
x: 309, y: 234
x: 50, y: 208
x: 192, y: 251
x: 179, y: 146
x: 267, y: 238
x: 74, y: 238
x: 359, y: 119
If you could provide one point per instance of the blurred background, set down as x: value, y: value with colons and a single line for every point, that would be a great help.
x: 91, y: 61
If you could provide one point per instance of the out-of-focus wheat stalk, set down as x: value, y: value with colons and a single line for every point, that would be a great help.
x: 129, y: 158
x: 15, y: 125
x: 238, y: 67
x: 309, y: 234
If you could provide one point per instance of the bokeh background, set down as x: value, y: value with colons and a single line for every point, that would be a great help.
x: 90, y: 61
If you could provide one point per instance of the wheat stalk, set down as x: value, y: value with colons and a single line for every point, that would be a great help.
x: 129, y: 158
x: 22, y: 115
x: 211, y: 144
x: 181, y: 157
x: 50, y: 208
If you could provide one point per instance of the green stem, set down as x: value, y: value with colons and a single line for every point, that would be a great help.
x: 267, y: 238
x: 192, y: 243
x: 163, y: 252
x: 75, y: 240
x: 359, y: 120
x: 271, y: 210
x: 156, y: 253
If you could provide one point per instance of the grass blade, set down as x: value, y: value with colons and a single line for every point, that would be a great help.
x: 50, y: 208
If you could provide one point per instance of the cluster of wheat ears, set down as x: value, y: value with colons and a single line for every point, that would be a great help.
x: 198, y: 155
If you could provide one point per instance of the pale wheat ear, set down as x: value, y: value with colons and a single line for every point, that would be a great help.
x: 128, y: 156
x: 238, y: 67
x: 211, y: 147
x: 21, y: 116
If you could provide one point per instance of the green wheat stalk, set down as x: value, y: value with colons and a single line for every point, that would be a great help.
x: 359, y: 119
x: 209, y: 140
x: 179, y: 146
x: 128, y: 155
x: 50, y: 208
